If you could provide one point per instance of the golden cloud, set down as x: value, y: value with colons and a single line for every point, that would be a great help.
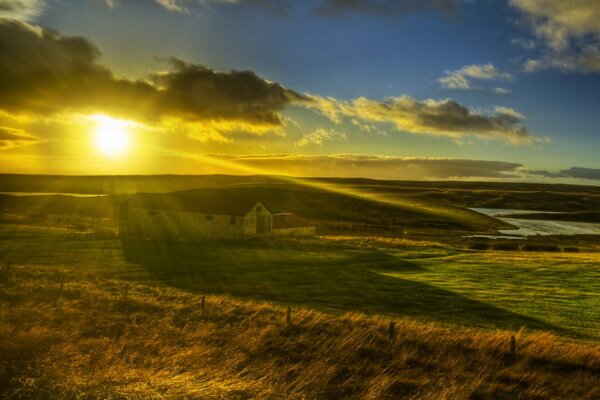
x: 434, y: 117
x: 320, y: 136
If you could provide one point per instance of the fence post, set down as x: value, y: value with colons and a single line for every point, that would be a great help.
x: 202, y: 305
x: 391, y: 330
x: 513, y: 348
x: 288, y: 316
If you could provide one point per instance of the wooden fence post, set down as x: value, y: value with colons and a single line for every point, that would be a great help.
x: 202, y: 305
x: 513, y: 348
x: 391, y: 330
x: 288, y: 316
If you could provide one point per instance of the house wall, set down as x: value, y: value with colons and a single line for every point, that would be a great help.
x: 143, y: 223
x: 299, y: 231
x: 252, y: 217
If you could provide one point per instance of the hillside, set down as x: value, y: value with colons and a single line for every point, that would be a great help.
x: 326, y: 206
x: 332, y: 210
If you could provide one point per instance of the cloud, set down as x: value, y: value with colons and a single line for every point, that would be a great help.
x: 377, y: 167
x: 383, y: 8
x: 461, y: 79
x: 10, y: 137
x: 573, y: 172
x: 197, y: 92
x: 501, y: 91
x: 433, y: 117
x: 587, y: 59
x: 44, y: 73
x: 569, y: 30
x: 23, y: 10
x: 320, y: 136
x: 582, y: 173
x: 527, y: 44
x: 172, y: 5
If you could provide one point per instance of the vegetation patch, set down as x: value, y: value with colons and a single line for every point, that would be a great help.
x: 113, y: 339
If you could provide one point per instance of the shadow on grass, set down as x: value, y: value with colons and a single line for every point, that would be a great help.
x: 325, y: 278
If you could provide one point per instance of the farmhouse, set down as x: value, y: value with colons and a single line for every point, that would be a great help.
x: 189, y: 217
x: 289, y: 224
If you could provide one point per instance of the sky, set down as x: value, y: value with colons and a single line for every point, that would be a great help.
x: 389, y: 89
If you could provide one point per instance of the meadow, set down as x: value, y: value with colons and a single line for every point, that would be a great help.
x: 431, y: 282
x: 88, y: 318
x: 77, y: 335
x: 87, y: 315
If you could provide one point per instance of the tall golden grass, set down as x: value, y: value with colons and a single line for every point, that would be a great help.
x: 73, y: 335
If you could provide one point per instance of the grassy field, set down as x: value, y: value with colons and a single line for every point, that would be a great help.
x: 560, y: 289
x: 84, y: 315
x: 426, y: 281
x: 70, y: 333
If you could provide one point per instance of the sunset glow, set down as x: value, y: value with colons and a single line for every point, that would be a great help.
x: 398, y: 90
x: 111, y: 136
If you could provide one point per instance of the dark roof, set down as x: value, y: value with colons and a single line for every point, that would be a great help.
x: 290, y: 220
x: 205, y: 204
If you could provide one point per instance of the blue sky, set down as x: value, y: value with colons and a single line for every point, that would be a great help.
x: 526, y: 72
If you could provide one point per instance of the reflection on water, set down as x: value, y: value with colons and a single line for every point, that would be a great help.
x: 530, y: 227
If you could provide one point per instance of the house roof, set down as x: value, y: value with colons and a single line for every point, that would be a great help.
x: 290, y: 220
x: 204, y: 204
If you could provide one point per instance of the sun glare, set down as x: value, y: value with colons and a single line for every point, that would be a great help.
x: 111, y: 135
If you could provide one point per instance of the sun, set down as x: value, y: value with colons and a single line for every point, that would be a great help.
x: 111, y: 136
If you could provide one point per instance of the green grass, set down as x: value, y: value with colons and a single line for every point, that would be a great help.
x: 561, y: 289
x: 554, y: 292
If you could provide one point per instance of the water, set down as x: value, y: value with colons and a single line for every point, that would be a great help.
x: 54, y: 194
x: 530, y: 227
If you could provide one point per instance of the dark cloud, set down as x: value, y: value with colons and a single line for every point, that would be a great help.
x: 582, y: 173
x: 383, y: 8
x: 42, y: 72
x: 194, y: 91
x: 378, y: 167
x: 544, y: 173
x: 573, y: 172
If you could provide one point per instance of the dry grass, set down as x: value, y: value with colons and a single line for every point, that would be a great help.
x: 379, y: 241
x: 100, y: 338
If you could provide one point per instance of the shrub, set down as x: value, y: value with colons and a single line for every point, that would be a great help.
x: 571, y: 249
x: 479, y: 246
x: 506, y: 246
x: 541, y: 247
